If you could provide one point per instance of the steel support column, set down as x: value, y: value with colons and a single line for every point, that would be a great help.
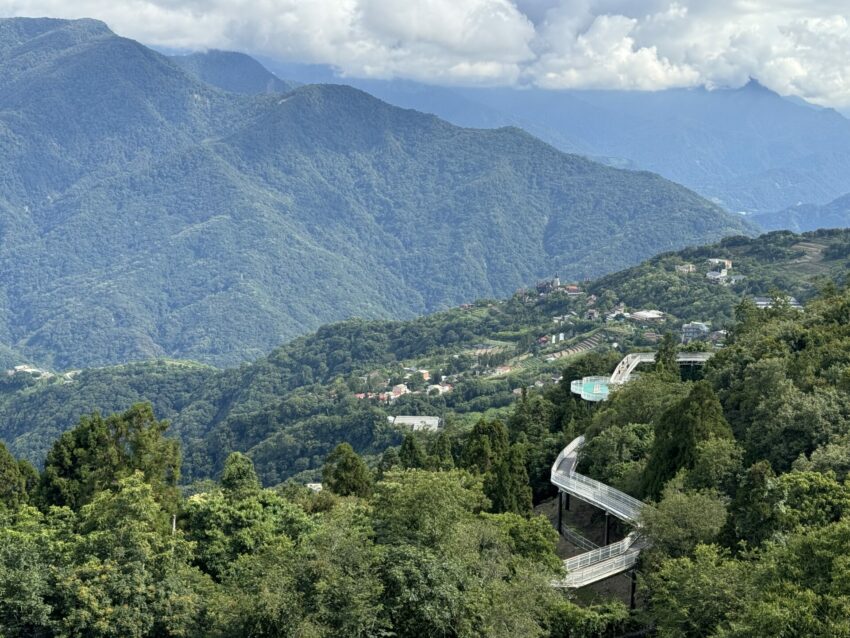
x: 560, y: 511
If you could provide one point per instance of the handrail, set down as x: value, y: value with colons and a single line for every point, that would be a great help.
x: 577, y: 539
x: 601, y: 562
x: 600, y: 553
x: 599, y: 571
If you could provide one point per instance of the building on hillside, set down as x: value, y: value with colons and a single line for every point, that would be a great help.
x: 647, y: 315
x: 736, y: 279
x: 684, y: 269
x: 768, y: 302
x: 717, y: 276
x: 418, y: 423
x: 695, y: 331
x: 315, y: 487
x: 442, y: 388
x: 572, y: 290
x: 723, y: 263
x: 399, y: 390
x: 718, y: 336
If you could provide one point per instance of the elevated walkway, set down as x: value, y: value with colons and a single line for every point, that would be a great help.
x: 598, y: 388
x: 601, y: 562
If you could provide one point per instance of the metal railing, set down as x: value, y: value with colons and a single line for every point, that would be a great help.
x: 622, y: 373
x: 600, y: 562
x: 610, y: 499
x: 599, y: 571
x: 599, y: 554
x: 577, y: 539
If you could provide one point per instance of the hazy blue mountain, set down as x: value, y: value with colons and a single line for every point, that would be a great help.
x: 232, y: 71
x: 748, y: 149
x: 835, y: 214
x: 146, y: 213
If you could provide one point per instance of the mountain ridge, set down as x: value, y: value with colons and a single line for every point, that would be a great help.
x: 155, y: 215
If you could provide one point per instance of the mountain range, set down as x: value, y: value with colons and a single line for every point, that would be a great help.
x: 804, y: 217
x: 145, y: 211
x: 747, y: 149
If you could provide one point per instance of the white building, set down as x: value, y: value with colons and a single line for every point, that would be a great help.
x: 418, y: 423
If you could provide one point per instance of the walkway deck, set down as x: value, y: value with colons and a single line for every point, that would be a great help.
x: 602, y: 562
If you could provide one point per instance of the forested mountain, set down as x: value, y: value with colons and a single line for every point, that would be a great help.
x: 146, y: 213
x: 749, y: 148
x: 745, y: 530
x: 835, y: 214
x: 232, y: 71
x: 288, y: 409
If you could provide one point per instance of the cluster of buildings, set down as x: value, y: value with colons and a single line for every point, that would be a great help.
x: 549, y: 286
x: 38, y: 373
x: 401, y: 389
x: 718, y: 272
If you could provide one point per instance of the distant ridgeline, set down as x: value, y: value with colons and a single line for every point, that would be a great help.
x: 148, y: 212
x: 287, y: 410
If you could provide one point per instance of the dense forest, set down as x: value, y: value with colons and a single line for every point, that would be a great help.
x: 289, y: 409
x: 746, y: 469
x: 148, y: 213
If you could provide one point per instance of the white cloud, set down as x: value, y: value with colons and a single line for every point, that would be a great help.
x: 792, y: 46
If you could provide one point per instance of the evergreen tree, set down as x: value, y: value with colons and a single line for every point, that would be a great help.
x: 345, y: 473
x: 678, y: 433
x: 389, y: 460
x: 412, y: 455
x: 507, y: 484
x: 665, y: 357
x: 13, y: 484
x: 239, y: 477
x: 486, y: 446
x: 441, y: 452
x: 99, y: 451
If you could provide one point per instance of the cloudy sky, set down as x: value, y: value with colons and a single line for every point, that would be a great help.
x: 795, y: 47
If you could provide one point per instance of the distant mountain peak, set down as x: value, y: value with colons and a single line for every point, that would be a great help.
x: 753, y: 86
x: 232, y: 71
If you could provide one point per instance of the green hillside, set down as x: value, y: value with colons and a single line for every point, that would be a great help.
x: 288, y: 409
x: 149, y: 214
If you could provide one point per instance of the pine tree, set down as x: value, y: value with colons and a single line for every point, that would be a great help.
x: 485, y: 446
x: 239, y: 478
x: 507, y: 484
x: 441, y: 453
x: 696, y: 418
x: 345, y: 473
x: 412, y: 455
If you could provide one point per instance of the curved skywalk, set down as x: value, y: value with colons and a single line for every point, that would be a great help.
x: 602, y: 562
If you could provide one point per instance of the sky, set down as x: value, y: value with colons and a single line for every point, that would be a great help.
x: 795, y: 47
